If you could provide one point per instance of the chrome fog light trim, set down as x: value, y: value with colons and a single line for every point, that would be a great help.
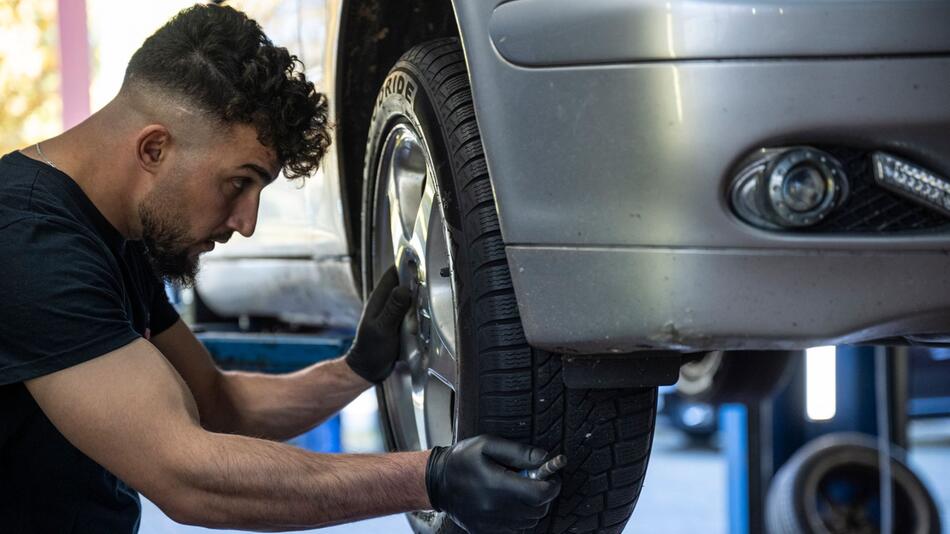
x: 743, y: 194
x: 912, y: 181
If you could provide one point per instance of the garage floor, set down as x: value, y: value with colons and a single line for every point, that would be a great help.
x: 676, y: 471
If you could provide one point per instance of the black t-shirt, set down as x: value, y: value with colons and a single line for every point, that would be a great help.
x: 72, y: 289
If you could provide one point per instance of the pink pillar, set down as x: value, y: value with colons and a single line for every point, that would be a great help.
x: 74, y: 61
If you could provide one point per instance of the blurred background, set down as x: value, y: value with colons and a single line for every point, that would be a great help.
x: 62, y: 59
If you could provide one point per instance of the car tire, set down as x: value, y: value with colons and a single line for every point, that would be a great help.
x: 720, y: 377
x: 829, y: 486
x: 501, y: 385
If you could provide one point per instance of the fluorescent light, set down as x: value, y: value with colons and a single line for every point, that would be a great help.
x: 820, y: 390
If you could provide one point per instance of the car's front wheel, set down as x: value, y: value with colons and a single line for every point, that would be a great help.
x: 465, y: 367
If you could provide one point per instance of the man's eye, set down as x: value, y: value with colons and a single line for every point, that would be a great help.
x: 239, y: 183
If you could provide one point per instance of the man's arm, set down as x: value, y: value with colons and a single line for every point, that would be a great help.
x: 133, y: 414
x: 284, y: 406
x: 274, y: 407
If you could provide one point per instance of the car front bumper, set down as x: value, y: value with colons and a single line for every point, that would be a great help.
x: 611, y: 182
x: 619, y: 300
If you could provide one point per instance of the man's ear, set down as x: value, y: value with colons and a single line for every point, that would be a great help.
x: 152, y: 146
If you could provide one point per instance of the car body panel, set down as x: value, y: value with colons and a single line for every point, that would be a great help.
x: 301, y: 291
x: 544, y: 32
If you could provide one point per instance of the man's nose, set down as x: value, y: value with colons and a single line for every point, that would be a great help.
x: 243, y: 219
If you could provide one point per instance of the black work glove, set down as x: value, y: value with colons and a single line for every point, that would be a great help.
x: 376, y: 347
x: 476, y: 482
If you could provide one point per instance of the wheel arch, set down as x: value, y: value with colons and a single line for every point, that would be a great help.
x: 372, y: 36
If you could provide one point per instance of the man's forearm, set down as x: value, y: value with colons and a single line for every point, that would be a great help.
x: 238, y: 482
x: 280, y: 407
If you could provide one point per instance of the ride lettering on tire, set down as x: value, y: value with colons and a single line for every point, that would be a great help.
x: 465, y: 367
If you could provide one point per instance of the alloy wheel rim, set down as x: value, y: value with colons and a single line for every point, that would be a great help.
x: 410, y: 232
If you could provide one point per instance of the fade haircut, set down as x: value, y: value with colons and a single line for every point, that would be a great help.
x: 218, y: 60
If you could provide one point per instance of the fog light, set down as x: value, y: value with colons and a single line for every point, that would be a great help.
x: 804, y: 188
x: 788, y: 187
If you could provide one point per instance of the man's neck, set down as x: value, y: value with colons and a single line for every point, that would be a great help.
x: 92, y: 158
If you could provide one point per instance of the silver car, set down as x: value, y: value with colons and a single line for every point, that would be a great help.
x: 581, y: 193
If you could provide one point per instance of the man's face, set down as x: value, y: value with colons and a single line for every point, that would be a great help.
x: 203, y: 196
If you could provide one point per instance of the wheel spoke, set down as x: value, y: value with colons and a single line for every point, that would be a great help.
x: 395, y: 217
x: 405, y: 173
x: 439, y: 279
x: 439, y: 406
x: 420, y: 228
x: 442, y: 306
x: 420, y: 384
x: 442, y: 361
x: 399, y: 403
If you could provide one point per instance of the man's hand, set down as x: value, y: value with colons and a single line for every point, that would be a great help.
x: 476, y: 483
x: 376, y: 346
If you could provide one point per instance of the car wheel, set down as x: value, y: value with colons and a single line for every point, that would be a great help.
x: 831, y: 486
x: 719, y: 377
x: 465, y: 367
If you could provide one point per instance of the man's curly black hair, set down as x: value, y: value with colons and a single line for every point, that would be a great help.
x: 221, y: 61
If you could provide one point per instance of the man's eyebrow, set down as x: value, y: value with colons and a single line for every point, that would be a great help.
x: 265, y: 176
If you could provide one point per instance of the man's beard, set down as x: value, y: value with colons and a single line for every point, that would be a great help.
x: 165, y: 235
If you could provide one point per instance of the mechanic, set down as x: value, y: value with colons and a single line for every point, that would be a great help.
x: 105, y: 392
